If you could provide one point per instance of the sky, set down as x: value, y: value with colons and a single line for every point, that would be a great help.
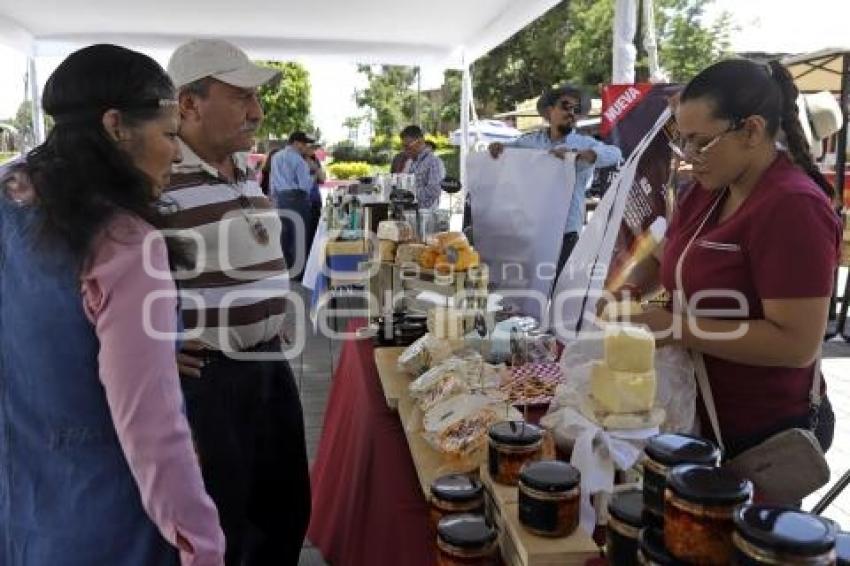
x: 760, y: 25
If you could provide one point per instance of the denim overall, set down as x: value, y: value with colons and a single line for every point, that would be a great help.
x: 67, y: 497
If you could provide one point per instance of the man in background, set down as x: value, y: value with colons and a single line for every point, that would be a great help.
x: 559, y: 107
x: 418, y: 159
x: 291, y: 183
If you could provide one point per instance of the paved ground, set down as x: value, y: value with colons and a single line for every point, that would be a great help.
x: 315, y: 367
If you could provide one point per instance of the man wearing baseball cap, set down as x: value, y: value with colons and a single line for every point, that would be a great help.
x: 560, y: 106
x: 290, y: 186
x: 241, y: 399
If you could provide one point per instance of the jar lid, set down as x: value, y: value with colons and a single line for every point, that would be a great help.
x: 651, y: 544
x: 550, y: 476
x: 708, y: 485
x: 675, y: 449
x: 627, y: 507
x: 457, y: 488
x: 516, y: 433
x: 785, y: 529
x: 465, y: 531
x: 410, y: 327
x: 842, y: 549
x: 416, y: 318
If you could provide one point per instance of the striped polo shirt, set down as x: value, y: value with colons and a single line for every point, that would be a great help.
x: 234, y: 295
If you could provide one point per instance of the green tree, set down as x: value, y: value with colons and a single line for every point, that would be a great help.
x: 390, y: 98
x: 588, y: 51
x: 686, y: 44
x: 526, y: 64
x: 23, y: 123
x: 23, y: 118
x: 286, y: 103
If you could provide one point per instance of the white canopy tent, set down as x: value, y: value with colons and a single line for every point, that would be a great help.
x: 443, y: 33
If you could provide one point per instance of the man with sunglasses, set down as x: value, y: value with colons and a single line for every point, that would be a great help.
x: 559, y: 107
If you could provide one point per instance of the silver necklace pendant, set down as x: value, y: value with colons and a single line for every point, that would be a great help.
x: 260, y: 233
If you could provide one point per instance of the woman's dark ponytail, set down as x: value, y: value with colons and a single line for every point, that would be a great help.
x: 798, y: 145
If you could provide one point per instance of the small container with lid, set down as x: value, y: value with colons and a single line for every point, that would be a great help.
x: 624, y: 524
x: 666, y: 451
x: 651, y: 550
x: 768, y: 534
x: 466, y: 540
x: 698, y: 507
x: 549, y: 498
x: 455, y: 493
x: 512, y: 445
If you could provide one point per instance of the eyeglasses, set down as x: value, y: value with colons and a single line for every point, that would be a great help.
x: 688, y: 150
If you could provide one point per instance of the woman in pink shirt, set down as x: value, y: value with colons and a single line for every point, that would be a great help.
x: 96, y: 457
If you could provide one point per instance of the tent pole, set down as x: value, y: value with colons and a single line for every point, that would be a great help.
x: 35, y: 100
x: 841, y: 150
x: 419, y: 96
x: 840, y: 161
x: 464, y: 123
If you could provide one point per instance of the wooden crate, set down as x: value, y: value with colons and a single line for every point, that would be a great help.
x: 521, y: 548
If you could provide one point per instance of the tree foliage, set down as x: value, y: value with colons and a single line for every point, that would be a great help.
x: 571, y: 42
x: 527, y: 63
x: 286, y: 103
x: 686, y: 43
x: 389, y: 96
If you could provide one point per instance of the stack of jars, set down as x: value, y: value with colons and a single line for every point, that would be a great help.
x: 548, y: 490
x: 694, y: 512
x: 464, y: 537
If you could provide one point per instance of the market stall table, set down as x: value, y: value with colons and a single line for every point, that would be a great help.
x: 368, y: 507
x: 374, y: 467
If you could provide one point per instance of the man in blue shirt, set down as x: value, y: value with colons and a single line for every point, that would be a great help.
x: 560, y: 106
x: 418, y: 159
x: 291, y: 182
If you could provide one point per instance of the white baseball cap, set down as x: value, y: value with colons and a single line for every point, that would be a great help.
x: 219, y: 59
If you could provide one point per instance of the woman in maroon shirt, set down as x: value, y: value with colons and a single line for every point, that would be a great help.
x: 760, y: 242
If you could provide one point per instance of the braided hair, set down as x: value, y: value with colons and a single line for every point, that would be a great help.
x: 740, y: 88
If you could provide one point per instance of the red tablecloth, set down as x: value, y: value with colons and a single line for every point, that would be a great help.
x: 368, y: 508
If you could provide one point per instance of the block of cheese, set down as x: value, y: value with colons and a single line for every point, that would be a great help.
x: 620, y: 309
x: 444, y: 239
x: 428, y: 258
x: 629, y: 348
x: 387, y: 250
x: 446, y: 323
x: 409, y: 253
x: 395, y: 231
x: 622, y: 391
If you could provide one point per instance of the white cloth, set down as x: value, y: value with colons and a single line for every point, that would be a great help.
x: 316, y: 258
x: 597, y: 453
x: 580, y: 282
x: 520, y: 203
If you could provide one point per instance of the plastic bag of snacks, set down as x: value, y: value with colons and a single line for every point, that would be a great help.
x: 438, y: 383
x: 426, y: 352
x: 458, y: 426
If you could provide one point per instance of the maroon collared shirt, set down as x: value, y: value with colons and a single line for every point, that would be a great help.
x: 782, y: 243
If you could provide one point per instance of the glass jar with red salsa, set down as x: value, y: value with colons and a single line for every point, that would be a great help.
x: 698, y: 507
